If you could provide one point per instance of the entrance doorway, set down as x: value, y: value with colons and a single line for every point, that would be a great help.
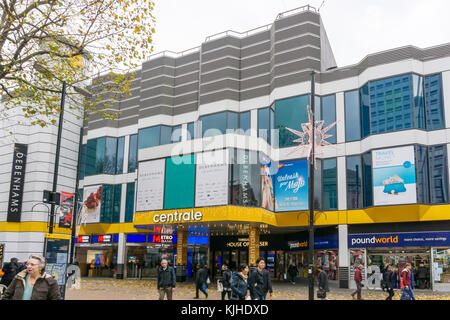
x: 197, y: 257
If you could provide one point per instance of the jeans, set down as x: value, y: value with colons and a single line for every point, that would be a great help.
x: 410, y: 291
x: 224, y: 293
x: 358, y: 290
x: 391, y: 293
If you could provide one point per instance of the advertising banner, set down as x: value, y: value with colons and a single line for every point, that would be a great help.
x: 267, y: 189
x: 92, y: 203
x: 66, y: 209
x: 56, y: 255
x: 180, y: 182
x: 150, y: 185
x: 211, y: 187
x: 17, y: 181
x: 253, y: 246
x: 394, y: 176
x: 291, y: 186
x: 427, y: 239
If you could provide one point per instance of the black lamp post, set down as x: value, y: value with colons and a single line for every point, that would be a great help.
x: 311, y: 193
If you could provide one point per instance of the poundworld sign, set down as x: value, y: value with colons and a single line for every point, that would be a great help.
x: 188, y: 216
x: 427, y: 239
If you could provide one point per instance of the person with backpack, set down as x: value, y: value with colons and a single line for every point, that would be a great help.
x: 33, y: 283
x: 323, y: 284
x: 239, y: 284
x: 226, y: 282
x: 259, y: 281
x: 200, y: 281
x: 388, y: 278
x: 405, y: 284
x: 358, y: 279
x: 166, y: 280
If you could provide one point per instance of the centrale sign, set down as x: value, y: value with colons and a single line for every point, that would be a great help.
x: 176, y: 216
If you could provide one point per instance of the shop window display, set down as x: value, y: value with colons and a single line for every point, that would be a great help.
x: 327, y: 259
x: 441, y: 265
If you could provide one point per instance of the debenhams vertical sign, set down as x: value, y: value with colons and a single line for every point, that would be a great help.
x: 17, y: 180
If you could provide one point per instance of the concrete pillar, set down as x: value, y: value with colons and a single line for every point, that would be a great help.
x: 253, y: 246
x: 344, y: 259
x: 121, y: 256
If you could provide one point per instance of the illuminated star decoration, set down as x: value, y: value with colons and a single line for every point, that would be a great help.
x: 305, y: 137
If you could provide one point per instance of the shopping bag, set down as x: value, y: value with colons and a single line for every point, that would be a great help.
x: 405, y: 295
x: 219, y: 286
x: 208, y: 281
x: 321, y: 294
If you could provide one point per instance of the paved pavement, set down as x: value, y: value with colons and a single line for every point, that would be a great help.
x: 111, y: 289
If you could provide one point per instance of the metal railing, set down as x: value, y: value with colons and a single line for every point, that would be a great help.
x: 172, y: 54
x: 294, y: 11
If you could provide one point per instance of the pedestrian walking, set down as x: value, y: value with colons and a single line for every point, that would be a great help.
x: 292, y: 272
x: 259, y: 281
x: 388, y: 277
x: 422, y: 275
x: 405, y: 284
x: 323, y: 284
x: 225, y: 280
x: 10, y: 271
x: 239, y: 284
x: 166, y: 280
x: 33, y: 283
x: 200, y: 281
x: 358, y: 280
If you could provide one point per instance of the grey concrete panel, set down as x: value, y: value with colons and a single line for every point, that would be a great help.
x: 158, y: 110
x: 255, y: 82
x: 256, y: 49
x: 129, y: 112
x: 194, y: 67
x: 160, y: 61
x: 185, y: 98
x: 221, y: 74
x: 255, y: 38
x: 157, y: 81
x: 294, y: 31
x: 296, y: 65
x: 297, y: 54
x: 187, y: 88
x: 300, y: 41
x: 104, y: 124
x: 248, y: 62
x: 218, y: 96
x: 224, y: 62
x: 158, y: 71
x: 189, y: 58
x: 222, y: 52
x: 255, y: 71
x: 290, y: 79
x: 221, y: 42
x: 129, y: 103
x: 161, y: 100
x: 296, y: 19
x: 255, y: 93
x: 219, y: 85
x: 156, y: 91
x: 128, y: 122
x: 185, y: 109
x: 180, y: 80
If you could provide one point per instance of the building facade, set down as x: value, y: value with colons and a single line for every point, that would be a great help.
x: 201, y: 166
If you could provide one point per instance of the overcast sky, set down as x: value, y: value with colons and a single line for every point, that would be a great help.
x: 355, y: 28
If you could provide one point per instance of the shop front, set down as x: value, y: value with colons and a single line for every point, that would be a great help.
x: 427, y: 252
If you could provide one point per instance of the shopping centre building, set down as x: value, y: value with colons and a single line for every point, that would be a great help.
x: 203, y: 164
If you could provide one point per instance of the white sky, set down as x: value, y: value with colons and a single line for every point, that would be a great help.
x: 355, y: 28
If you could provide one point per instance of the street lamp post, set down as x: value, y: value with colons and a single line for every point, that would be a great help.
x: 311, y: 193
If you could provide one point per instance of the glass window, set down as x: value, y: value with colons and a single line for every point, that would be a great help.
x: 365, y: 110
x: 116, y: 203
x: 244, y: 122
x: 190, y: 131
x: 233, y: 122
x: 317, y: 186
x: 214, y: 124
x: 433, y: 102
x: 120, y: 148
x: 263, y: 124
x: 148, y: 137
x: 176, y: 134
x: 419, y: 104
x: 133, y: 153
x: 423, y: 190
x: 354, y: 183
x: 329, y: 115
x: 437, y: 157
x: 110, y: 155
x: 290, y: 113
x: 91, y: 152
x: 272, y: 135
x: 441, y: 265
x: 100, y: 155
x: 107, y: 203
x: 166, y: 135
x: 329, y: 184
x: 246, y: 182
x: 352, y: 117
x: 367, y: 179
x: 129, y: 204
x: 82, y: 162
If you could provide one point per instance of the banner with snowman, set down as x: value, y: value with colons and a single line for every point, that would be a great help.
x: 394, y: 176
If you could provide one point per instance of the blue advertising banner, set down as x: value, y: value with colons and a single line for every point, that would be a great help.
x: 325, y: 242
x: 427, y: 239
x: 291, y: 186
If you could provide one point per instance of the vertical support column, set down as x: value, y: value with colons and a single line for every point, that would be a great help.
x: 121, y: 253
x: 181, y: 261
x: 253, y: 246
x: 344, y: 260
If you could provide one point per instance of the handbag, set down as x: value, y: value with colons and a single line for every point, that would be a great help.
x: 405, y: 295
x: 208, y: 281
x: 219, y: 286
x: 321, y: 294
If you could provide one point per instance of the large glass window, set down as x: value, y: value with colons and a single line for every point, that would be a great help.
x: 176, y: 134
x: 367, y: 179
x: 437, y: 157
x: 110, y: 155
x: 365, y: 110
x: 244, y: 122
x: 133, y: 153
x: 290, y: 113
x: 166, y: 135
x: 329, y: 115
x: 190, y: 131
x: 354, y: 182
x: 149, y: 137
x: 233, y: 122
x: 352, y: 116
x: 129, y: 204
x: 116, y: 203
x: 264, y: 124
x: 120, y: 150
x: 318, y: 186
x: 433, y: 102
x: 107, y: 203
x: 422, y: 185
x: 100, y: 155
x: 418, y: 100
x: 329, y: 174
x: 214, y: 124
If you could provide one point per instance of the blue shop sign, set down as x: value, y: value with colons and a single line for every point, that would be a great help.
x: 426, y: 239
x: 326, y: 242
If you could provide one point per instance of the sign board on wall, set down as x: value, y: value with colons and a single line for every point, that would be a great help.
x: 394, y: 176
x: 428, y: 239
x: 150, y: 185
x: 291, y: 186
x: 92, y: 203
x: 17, y: 182
x: 211, y: 186
x: 66, y: 209
x: 267, y: 189
x: 179, y: 182
x: 253, y: 246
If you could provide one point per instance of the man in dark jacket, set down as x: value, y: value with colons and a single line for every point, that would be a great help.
x: 323, y: 281
x: 358, y: 280
x: 388, y: 277
x: 200, y: 281
x: 239, y: 284
x: 292, y: 272
x: 226, y: 282
x: 10, y: 269
x: 259, y: 281
x: 166, y: 280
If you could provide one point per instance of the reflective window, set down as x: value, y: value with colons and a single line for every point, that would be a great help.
x: 190, y: 131
x: 133, y: 153
x: 129, y: 204
x: 166, y: 135
x: 82, y: 162
x: 107, y: 203
x: 116, y: 203
x: 352, y: 116
x: 329, y: 173
x: 244, y: 122
x: 213, y: 124
x: 290, y: 113
x: 433, y: 102
x: 318, y: 186
x: 364, y: 110
x: 422, y: 185
x: 233, y: 121
x: 110, y: 155
x: 354, y: 182
x: 367, y: 179
x: 437, y: 157
x: 419, y: 104
x: 120, y: 150
x: 176, y: 134
x: 148, y: 137
x: 263, y: 124
x: 329, y: 115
